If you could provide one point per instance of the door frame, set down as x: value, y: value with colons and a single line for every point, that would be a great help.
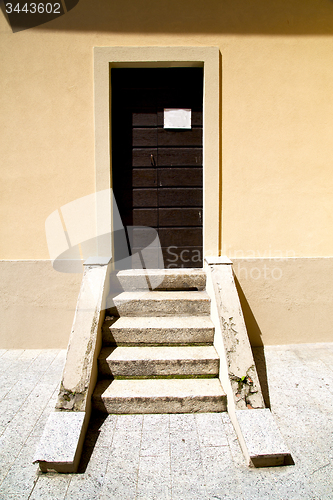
x: 106, y: 58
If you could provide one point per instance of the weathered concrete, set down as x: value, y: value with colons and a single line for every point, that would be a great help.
x: 264, y: 441
x: 161, y: 279
x: 238, y: 374
x: 158, y: 361
x: 159, y: 330
x: 162, y: 303
x: 234, y: 344
x: 160, y: 396
x: 79, y: 375
x: 80, y: 372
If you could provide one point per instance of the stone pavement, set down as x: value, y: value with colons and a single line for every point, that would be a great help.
x: 190, y: 456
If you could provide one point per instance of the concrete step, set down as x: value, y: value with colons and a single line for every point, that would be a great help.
x: 196, y: 303
x: 162, y: 279
x: 158, y: 361
x: 158, y: 330
x: 160, y: 396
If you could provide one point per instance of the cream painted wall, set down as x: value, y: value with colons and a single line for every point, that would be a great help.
x: 37, y: 305
x: 277, y: 146
x: 276, y: 136
x: 277, y: 122
x: 286, y: 301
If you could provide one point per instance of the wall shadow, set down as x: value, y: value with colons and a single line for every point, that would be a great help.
x: 255, y: 337
x: 96, y: 421
x: 267, y: 17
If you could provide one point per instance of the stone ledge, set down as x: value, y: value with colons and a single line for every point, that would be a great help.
x: 212, y: 261
x: 263, y: 439
x: 60, y: 446
x: 97, y: 261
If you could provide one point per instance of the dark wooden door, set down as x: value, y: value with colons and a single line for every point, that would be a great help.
x: 157, y: 172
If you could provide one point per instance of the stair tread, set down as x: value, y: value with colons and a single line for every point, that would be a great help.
x: 159, y: 353
x: 163, y: 295
x: 167, y: 330
x: 162, y: 279
x: 163, y: 322
x: 163, y: 272
x: 155, y: 388
x: 162, y: 303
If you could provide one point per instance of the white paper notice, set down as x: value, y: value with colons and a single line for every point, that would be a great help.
x: 177, y: 118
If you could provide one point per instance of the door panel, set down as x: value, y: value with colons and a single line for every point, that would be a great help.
x: 142, y: 157
x: 144, y: 177
x: 145, y: 197
x: 180, y: 176
x: 188, y: 256
x: 180, y: 235
x: 180, y: 197
x: 157, y: 172
x: 145, y: 118
x: 179, y: 156
x: 144, y: 137
x: 191, y: 137
x: 149, y: 136
x: 145, y: 217
x: 173, y: 217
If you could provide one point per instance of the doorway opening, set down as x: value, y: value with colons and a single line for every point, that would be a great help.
x: 157, y: 166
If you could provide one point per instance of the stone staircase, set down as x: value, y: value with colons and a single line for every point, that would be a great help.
x: 158, y: 355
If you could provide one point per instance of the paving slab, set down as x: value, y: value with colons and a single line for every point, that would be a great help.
x: 121, y: 476
x: 87, y: 484
x: 188, y: 481
x: 154, y: 478
x: 221, y: 479
x: 50, y: 486
x: 155, y: 436
x: 198, y: 468
x: 21, y: 477
x: 211, y: 430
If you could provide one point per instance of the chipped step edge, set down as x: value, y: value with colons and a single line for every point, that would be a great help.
x: 264, y: 443
x: 60, y: 446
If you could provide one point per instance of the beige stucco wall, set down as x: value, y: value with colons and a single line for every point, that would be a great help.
x: 276, y: 123
x: 37, y: 305
x: 286, y: 300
